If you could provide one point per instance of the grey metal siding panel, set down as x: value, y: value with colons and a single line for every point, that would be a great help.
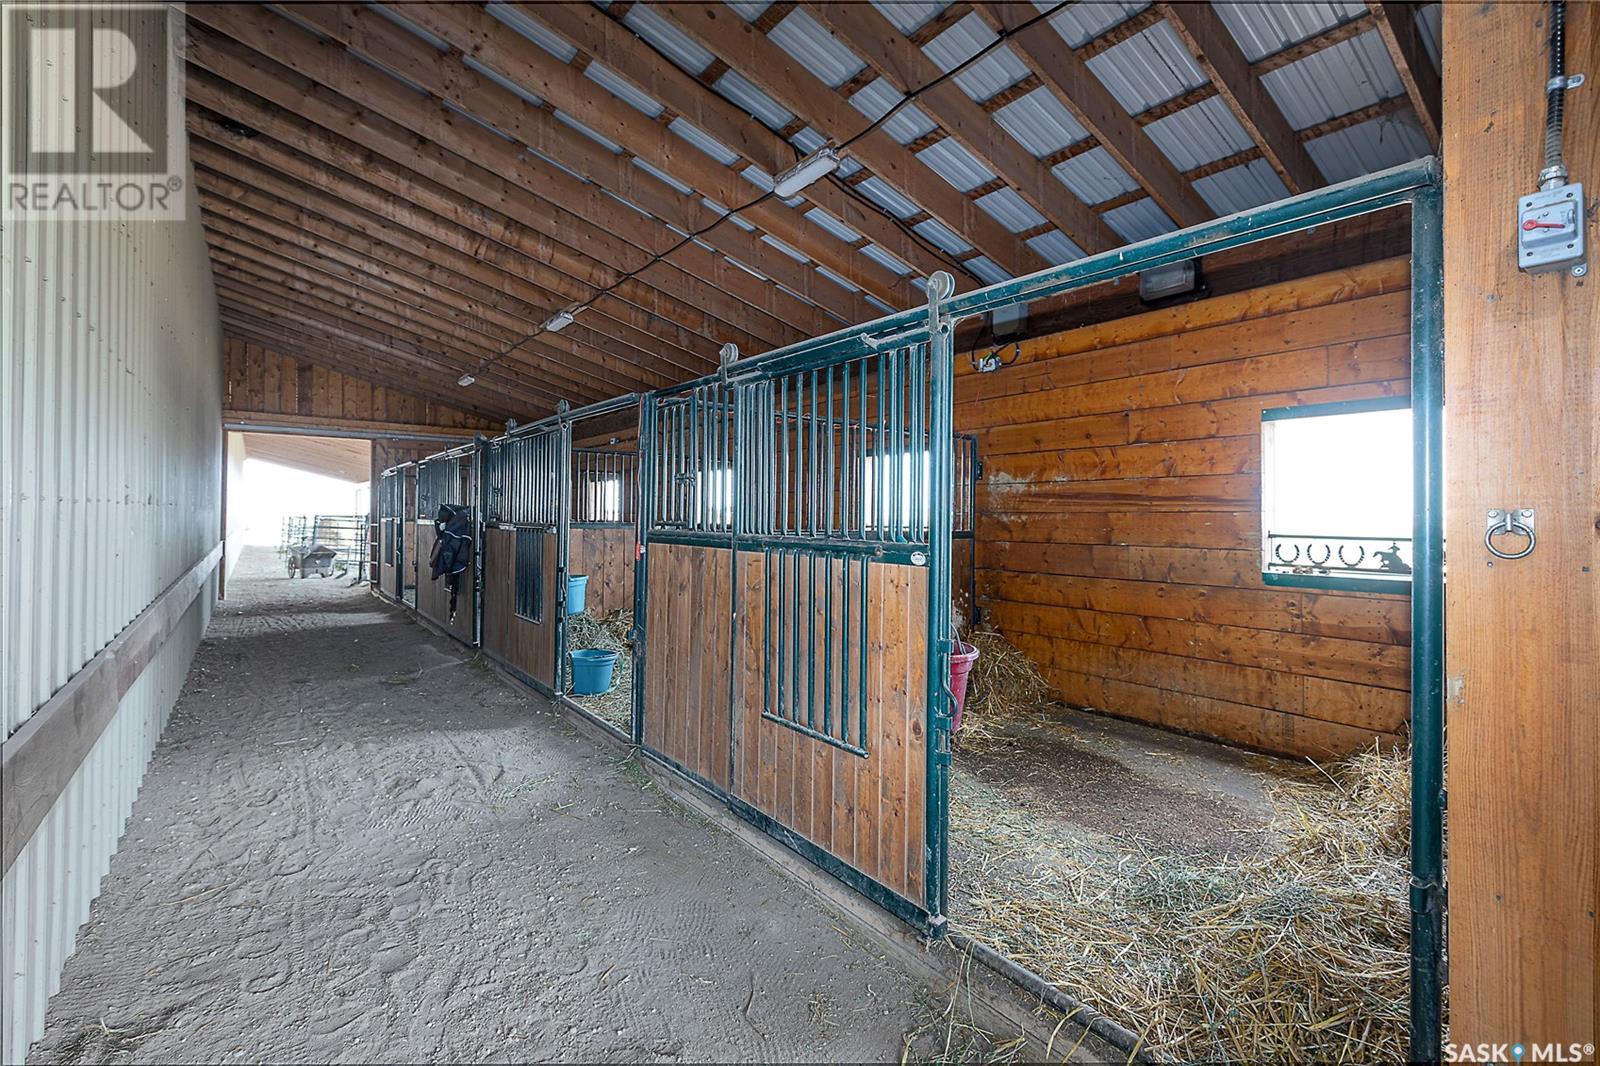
x: 110, y: 472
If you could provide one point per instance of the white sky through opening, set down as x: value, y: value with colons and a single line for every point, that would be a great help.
x: 1339, y: 475
x: 268, y: 493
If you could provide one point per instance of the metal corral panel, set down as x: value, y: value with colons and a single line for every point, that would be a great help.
x: 110, y: 489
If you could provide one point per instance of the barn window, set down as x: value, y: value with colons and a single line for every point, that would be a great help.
x: 1336, y: 495
x: 530, y: 575
x: 602, y: 501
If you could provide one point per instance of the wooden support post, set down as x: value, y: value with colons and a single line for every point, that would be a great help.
x: 1522, y: 667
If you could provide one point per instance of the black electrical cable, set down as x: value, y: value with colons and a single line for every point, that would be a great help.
x: 1555, y: 94
x: 1000, y: 38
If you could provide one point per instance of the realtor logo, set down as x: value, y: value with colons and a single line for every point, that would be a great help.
x: 93, y: 112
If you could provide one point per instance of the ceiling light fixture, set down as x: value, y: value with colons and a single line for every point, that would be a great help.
x: 561, y: 320
x: 465, y: 379
x: 808, y: 171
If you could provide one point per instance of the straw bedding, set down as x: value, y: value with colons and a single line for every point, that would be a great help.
x: 1296, y: 950
x: 608, y: 631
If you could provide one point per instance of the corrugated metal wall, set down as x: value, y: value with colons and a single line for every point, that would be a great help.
x: 110, y: 471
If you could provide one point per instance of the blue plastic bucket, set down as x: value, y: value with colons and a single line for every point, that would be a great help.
x: 577, y: 588
x: 591, y: 671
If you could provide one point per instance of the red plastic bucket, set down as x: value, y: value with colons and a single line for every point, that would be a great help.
x: 961, y: 661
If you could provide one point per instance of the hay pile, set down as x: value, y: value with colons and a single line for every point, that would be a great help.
x: 608, y: 631
x: 1297, y: 952
x: 1004, y: 685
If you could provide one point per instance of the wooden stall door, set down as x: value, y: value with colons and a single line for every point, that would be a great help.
x: 830, y: 736
x: 433, y: 597
x: 523, y: 640
x: 686, y: 687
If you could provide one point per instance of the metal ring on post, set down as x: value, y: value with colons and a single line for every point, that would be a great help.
x: 1509, y: 521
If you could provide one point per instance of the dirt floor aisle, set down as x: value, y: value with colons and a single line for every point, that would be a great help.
x: 355, y: 845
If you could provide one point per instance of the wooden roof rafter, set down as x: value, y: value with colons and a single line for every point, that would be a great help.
x: 871, y: 35
x: 378, y: 268
x: 1397, y: 25
x: 324, y: 83
x: 1224, y: 63
x: 601, y: 35
x: 481, y: 244
x: 297, y: 227
x: 270, y: 331
x: 1069, y: 79
x: 381, y: 350
x: 353, y: 318
x: 781, y: 77
x: 250, y: 237
x: 567, y: 88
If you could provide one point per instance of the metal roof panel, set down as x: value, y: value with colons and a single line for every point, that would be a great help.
x: 1200, y: 134
x: 1334, y: 81
x: 875, y: 100
x: 1040, y: 123
x: 534, y: 30
x: 661, y: 175
x: 818, y: 217
x: 1238, y: 188
x: 942, y: 235
x: 1094, y: 176
x: 952, y: 162
x: 1375, y: 145
x: 667, y: 39
x: 1264, y: 28
x: 1011, y: 210
x: 1079, y: 23
x: 879, y: 191
x: 620, y: 87
x: 737, y: 88
x: 439, y: 43
x: 882, y: 257
x: 907, y: 15
x: 986, y: 269
x: 704, y: 141
x: 1139, y: 220
x: 998, y: 70
x: 1428, y: 21
x: 809, y: 42
x: 1055, y: 247
x: 1147, y: 68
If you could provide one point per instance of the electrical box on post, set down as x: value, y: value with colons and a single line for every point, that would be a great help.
x: 1550, y: 231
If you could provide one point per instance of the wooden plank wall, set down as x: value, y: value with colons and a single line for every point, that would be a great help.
x: 433, y: 599
x: 262, y: 381
x: 868, y: 811
x: 1522, y: 650
x: 1118, y: 525
x: 606, y: 555
x: 528, y: 646
x: 686, y: 695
